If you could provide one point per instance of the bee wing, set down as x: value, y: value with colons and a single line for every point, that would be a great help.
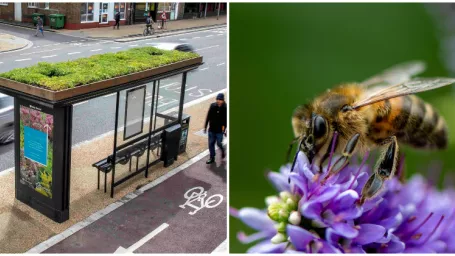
x: 410, y: 87
x: 397, y: 74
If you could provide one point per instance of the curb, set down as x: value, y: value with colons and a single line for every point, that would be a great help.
x: 170, y: 33
x: 25, y: 26
x: 29, y: 44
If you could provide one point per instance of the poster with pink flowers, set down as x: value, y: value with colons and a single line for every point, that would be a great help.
x: 36, y: 147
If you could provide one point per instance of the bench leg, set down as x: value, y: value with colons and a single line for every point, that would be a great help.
x: 98, y: 179
x: 131, y: 160
x: 137, y: 163
x: 105, y: 182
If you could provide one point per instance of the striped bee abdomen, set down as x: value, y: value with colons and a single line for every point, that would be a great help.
x: 425, y: 128
x: 411, y: 120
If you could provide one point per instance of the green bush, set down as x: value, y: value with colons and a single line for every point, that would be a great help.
x: 65, y: 75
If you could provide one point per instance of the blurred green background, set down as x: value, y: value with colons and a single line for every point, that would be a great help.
x: 283, y: 55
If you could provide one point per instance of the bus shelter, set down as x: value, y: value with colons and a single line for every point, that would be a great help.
x: 43, y: 127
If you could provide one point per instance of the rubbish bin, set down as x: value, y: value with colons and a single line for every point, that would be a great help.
x: 57, y: 20
x: 35, y: 17
x: 185, y: 128
x: 184, y: 134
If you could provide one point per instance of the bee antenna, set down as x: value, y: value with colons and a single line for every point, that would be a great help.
x: 295, y: 160
x: 288, y: 154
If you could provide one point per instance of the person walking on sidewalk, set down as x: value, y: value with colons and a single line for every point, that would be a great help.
x: 163, y: 19
x: 39, y: 26
x: 117, y: 20
x: 217, y: 117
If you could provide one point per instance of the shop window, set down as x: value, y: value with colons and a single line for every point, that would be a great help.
x: 120, y: 7
x: 87, y: 10
x: 46, y: 5
x: 33, y: 5
x: 4, y: 3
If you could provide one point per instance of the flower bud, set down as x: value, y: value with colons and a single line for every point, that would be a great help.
x: 291, y: 204
x: 278, y: 238
x: 295, y: 218
x: 278, y: 212
x: 285, y: 195
x: 271, y: 200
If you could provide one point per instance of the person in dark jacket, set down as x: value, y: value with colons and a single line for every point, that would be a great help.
x: 39, y: 26
x: 117, y: 20
x: 217, y: 117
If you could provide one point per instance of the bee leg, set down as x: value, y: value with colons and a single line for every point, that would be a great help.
x: 372, y: 187
x: 344, y: 159
x: 384, y: 170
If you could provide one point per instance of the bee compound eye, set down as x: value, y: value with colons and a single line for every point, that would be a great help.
x: 320, y: 127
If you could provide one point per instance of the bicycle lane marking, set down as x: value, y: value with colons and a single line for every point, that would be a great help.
x: 201, y: 232
x: 200, y: 226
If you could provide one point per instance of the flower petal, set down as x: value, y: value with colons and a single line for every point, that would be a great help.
x: 344, y: 229
x: 299, y: 237
x: 326, y: 194
x: 356, y: 249
x: 267, y: 247
x: 369, y: 233
x: 244, y: 239
x: 331, y: 236
x: 279, y: 181
x: 346, y: 199
x: 394, y: 246
x: 256, y: 219
x: 299, y: 181
x: 352, y: 213
x: 311, y: 210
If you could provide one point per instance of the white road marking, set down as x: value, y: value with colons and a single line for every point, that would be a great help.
x: 221, y: 64
x: 80, y: 103
x: 202, y: 69
x: 1, y: 62
x: 104, y: 42
x: 191, y: 88
x: 23, y: 59
x: 29, y: 53
x: 209, y: 36
x: 164, y: 86
x: 46, y: 45
x: 57, y: 44
x: 220, y: 35
x: 205, y: 48
x: 71, y: 53
x: 222, y: 248
x: 50, y: 56
x: 117, y: 47
x: 133, y: 45
x: 196, y: 37
x: 144, y: 240
x: 74, y: 41
x: 95, y: 50
x: 183, y: 39
x: 109, y: 95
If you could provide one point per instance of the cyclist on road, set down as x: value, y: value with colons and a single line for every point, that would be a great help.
x: 149, y: 22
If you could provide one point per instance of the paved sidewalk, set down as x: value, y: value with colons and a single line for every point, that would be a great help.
x: 160, y: 219
x: 137, y: 29
x: 22, y: 227
x: 11, y: 43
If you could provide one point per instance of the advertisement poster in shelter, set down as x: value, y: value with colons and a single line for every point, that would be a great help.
x: 36, y: 148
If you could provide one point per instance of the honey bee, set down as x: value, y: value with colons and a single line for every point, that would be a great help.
x: 380, y: 112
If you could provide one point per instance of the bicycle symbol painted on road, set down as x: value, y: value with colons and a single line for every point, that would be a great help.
x: 197, y: 196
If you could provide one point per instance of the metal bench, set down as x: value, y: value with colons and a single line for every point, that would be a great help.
x: 125, y: 156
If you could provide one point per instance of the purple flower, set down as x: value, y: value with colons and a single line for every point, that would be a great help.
x: 320, y: 214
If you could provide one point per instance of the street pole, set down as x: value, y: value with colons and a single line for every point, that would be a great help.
x: 219, y: 7
x: 205, y: 14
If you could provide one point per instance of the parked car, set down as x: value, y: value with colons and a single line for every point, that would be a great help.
x: 174, y: 46
x: 6, y: 119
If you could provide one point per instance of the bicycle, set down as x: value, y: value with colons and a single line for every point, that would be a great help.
x: 149, y: 30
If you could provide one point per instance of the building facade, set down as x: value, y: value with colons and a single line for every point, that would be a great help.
x: 82, y: 15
